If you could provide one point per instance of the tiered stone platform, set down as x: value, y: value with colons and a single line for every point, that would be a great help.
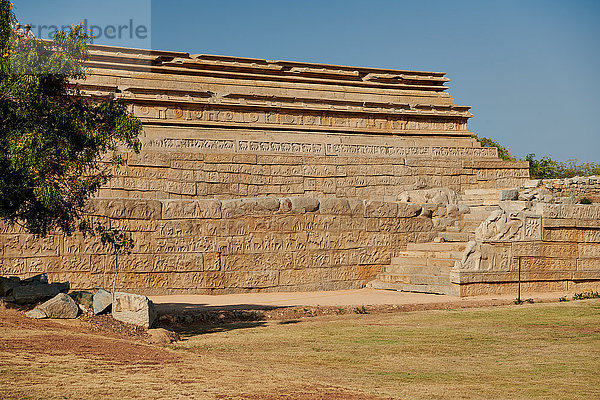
x: 260, y: 175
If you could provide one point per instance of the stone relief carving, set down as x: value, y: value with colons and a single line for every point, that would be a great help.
x: 429, y: 196
x: 471, y: 260
x: 500, y: 226
x: 264, y: 146
x: 300, y: 118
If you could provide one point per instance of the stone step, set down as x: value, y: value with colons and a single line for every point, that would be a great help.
x: 419, y: 269
x: 454, y: 246
x: 469, y: 226
x: 449, y: 289
x: 453, y: 228
x: 484, y: 208
x: 487, y: 191
x: 415, y: 279
x: 480, y: 202
x: 424, y: 262
x: 456, y: 236
x: 491, y: 196
x: 428, y: 254
x: 477, y: 216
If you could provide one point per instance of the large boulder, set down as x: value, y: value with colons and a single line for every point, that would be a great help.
x: 101, y: 301
x: 60, y: 306
x: 35, y: 293
x: 133, y: 309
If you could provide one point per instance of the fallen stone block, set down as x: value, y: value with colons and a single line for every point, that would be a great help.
x: 101, y: 301
x: 61, y: 306
x: 8, y: 284
x: 36, y: 313
x: 133, y: 309
x: 39, y: 292
x: 162, y: 336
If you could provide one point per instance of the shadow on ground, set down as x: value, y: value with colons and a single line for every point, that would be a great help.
x: 198, y: 319
x: 181, y: 308
x: 200, y: 329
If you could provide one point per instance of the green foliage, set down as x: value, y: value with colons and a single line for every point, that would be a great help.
x: 547, y: 168
x: 563, y: 299
x: 503, y: 152
x: 51, y: 137
x: 119, y: 242
x: 585, y: 200
x: 586, y: 295
x: 519, y: 301
x: 361, y: 310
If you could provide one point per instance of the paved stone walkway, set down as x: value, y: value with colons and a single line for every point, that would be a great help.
x: 333, y: 298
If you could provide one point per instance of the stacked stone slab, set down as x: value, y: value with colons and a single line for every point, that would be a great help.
x: 231, y: 146
x: 227, y: 127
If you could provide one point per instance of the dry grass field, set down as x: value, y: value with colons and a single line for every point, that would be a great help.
x: 539, y: 351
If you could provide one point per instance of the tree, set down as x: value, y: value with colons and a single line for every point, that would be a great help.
x: 52, y: 138
x: 503, y: 152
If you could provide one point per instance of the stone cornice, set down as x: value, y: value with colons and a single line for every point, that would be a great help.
x: 179, y: 88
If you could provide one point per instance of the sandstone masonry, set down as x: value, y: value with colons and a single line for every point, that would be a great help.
x: 259, y: 175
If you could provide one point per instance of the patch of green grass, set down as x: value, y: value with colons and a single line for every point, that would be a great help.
x: 528, y: 351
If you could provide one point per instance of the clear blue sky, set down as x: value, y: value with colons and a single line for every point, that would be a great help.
x: 529, y: 68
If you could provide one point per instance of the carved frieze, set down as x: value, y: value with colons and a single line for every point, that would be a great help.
x: 301, y: 118
x: 303, y: 148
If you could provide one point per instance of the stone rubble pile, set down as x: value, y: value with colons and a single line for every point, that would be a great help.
x: 560, y: 191
x: 54, y: 301
x: 30, y: 290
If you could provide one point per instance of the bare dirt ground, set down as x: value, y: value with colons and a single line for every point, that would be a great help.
x: 314, y: 352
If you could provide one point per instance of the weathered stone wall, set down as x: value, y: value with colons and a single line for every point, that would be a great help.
x: 217, y: 129
x: 214, y: 246
x: 229, y: 127
x: 177, y: 175
x: 577, y: 187
x: 556, y: 249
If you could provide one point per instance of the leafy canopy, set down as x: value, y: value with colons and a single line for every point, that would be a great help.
x: 503, y: 152
x: 52, y: 138
x: 546, y: 167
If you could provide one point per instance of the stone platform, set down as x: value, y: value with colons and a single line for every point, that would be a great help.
x: 260, y: 175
